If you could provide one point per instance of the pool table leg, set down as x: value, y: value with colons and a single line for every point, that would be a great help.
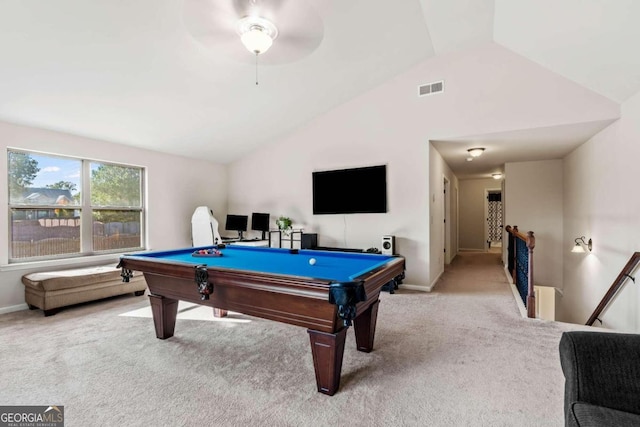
x: 164, y: 312
x: 219, y: 312
x: 365, y: 327
x: 327, y: 350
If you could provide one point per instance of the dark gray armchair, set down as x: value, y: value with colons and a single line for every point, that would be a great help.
x: 602, y: 378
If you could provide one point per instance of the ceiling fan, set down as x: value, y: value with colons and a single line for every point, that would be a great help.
x: 293, y: 26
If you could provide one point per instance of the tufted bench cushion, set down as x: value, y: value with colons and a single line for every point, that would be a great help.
x: 51, y: 290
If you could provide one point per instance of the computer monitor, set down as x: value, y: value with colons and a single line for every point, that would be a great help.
x: 237, y: 223
x: 260, y: 222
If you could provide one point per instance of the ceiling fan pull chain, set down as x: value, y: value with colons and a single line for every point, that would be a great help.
x: 256, y: 68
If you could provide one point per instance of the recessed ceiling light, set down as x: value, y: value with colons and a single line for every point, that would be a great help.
x: 496, y: 175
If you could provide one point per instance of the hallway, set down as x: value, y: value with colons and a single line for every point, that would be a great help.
x: 475, y: 331
x: 474, y: 315
x: 475, y: 270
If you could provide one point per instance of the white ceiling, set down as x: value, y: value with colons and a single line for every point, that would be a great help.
x: 172, y: 76
x: 516, y: 146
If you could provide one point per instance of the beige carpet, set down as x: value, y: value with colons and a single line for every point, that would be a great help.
x: 192, y: 311
x: 458, y: 356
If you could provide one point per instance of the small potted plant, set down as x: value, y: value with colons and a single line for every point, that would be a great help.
x: 284, y: 224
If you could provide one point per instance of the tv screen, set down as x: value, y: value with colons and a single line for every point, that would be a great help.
x: 236, y: 222
x: 260, y: 221
x: 358, y: 190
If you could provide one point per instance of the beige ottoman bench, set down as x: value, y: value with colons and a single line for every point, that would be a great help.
x: 51, y: 290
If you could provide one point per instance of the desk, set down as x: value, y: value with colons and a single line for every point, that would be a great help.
x: 255, y: 242
x: 277, y: 284
x: 287, y: 236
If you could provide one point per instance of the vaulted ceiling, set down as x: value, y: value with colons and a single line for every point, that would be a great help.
x: 173, y: 76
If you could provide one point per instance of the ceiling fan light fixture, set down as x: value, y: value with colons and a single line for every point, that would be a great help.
x: 257, y: 34
x: 256, y: 41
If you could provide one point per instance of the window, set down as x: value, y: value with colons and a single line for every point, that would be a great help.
x: 64, y: 207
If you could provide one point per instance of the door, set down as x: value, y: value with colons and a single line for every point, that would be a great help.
x: 446, y: 228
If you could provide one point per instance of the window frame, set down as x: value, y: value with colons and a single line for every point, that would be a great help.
x: 85, y: 208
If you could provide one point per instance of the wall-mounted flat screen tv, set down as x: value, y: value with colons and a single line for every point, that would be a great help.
x: 346, y: 191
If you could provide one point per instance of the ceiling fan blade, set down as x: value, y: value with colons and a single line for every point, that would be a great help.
x: 214, y: 25
x: 206, y: 18
x: 260, y: 8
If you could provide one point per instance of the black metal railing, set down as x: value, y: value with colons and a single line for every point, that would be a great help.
x: 520, y: 265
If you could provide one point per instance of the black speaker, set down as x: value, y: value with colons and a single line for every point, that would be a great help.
x: 389, y: 245
x: 309, y: 241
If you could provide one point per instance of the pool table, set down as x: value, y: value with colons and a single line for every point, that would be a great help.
x: 337, y: 290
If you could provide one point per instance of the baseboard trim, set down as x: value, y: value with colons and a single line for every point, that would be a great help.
x: 516, y: 294
x: 12, y: 308
x: 433, y: 283
x: 416, y: 288
x: 506, y: 273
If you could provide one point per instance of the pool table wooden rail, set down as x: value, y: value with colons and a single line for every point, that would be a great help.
x: 232, y: 293
x: 288, y: 299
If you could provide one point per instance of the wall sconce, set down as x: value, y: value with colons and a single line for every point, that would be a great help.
x: 580, y: 244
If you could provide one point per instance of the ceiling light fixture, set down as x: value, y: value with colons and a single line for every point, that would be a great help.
x: 257, y: 35
x: 475, y: 152
x: 496, y: 175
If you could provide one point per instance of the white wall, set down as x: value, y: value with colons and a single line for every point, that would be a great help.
x: 175, y: 187
x: 284, y: 187
x: 438, y: 171
x: 601, y: 202
x: 473, y: 203
x: 534, y: 202
x: 488, y: 89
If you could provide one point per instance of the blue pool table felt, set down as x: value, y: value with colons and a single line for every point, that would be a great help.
x: 330, y: 265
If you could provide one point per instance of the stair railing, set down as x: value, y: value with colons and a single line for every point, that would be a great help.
x: 520, y: 265
x: 615, y: 287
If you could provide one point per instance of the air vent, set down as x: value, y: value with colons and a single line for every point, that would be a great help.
x: 431, y: 88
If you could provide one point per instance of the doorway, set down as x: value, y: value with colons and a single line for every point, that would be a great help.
x: 494, y: 215
x: 446, y: 228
